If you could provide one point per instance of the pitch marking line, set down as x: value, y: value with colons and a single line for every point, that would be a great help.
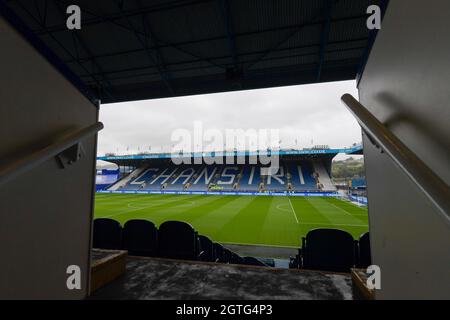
x: 133, y: 209
x: 343, y: 210
x: 281, y: 207
x: 293, y: 211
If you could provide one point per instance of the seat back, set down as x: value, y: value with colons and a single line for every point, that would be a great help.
x: 365, y: 258
x: 107, y: 234
x: 251, y: 261
x: 218, y: 253
x: 329, y: 250
x: 140, y: 238
x: 206, y: 249
x: 227, y: 254
x: 235, y: 258
x: 177, y: 240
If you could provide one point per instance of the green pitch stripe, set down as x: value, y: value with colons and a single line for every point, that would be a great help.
x: 273, y: 221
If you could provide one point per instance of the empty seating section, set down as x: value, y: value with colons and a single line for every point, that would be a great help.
x: 296, y: 176
x: 251, y: 179
x: 276, y: 181
x: 173, y: 240
x: 322, y: 249
x: 302, y: 176
x: 202, y: 178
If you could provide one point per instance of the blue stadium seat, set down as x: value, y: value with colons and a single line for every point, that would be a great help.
x: 107, y: 234
x: 302, y: 176
x: 365, y: 258
x: 177, y: 240
x: 251, y: 178
x: 140, y: 238
x: 328, y: 250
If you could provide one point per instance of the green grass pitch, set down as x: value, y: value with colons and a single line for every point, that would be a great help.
x: 253, y: 220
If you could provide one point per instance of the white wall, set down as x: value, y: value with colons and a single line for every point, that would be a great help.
x: 45, y: 214
x: 406, y: 86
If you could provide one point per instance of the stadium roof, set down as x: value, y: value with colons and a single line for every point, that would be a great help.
x: 357, y: 149
x: 137, y: 49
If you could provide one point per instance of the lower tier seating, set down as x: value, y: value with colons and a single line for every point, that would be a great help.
x: 174, y: 240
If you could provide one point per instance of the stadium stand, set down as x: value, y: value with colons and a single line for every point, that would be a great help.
x: 293, y: 176
x: 140, y: 238
x: 107, y: 234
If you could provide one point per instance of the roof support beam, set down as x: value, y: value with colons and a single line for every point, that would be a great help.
x: 160, y: 7
x: 162, y: 43
x: 90, y: 54
x: 144, y: 67
x: 313, y: 21
x: 312, y: 46
x: 148, y: 40
x: 324, y: 36
x: 50, y: 34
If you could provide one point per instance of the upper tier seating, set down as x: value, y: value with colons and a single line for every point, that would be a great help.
x: 107, y: 234
x: 140, y: 238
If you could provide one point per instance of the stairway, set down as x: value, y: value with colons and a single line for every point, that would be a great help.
x: 323, y: 177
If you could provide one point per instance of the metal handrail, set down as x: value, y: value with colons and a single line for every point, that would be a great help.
x: 23, y: 164
x: 427, y: 181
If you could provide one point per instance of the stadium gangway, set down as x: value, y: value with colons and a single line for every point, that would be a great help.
x: 20, y: 165
x: 427, y: 181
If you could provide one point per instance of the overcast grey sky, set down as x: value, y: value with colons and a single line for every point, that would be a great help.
x: 308, y: 113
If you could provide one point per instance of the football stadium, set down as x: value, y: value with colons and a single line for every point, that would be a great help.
x: 81, y: 220
x: 233, y: 204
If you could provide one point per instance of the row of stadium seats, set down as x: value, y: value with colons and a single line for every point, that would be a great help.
x: 298, y: 176
x: 174, y: 240
x: 332, y: 250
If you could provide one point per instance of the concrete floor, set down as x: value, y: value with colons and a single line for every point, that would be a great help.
x: 154, y: 278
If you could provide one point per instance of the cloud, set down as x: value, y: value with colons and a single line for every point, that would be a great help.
x: 308, y: 113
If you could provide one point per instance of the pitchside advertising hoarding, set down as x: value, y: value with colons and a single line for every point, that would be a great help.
x: 225, y: 193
